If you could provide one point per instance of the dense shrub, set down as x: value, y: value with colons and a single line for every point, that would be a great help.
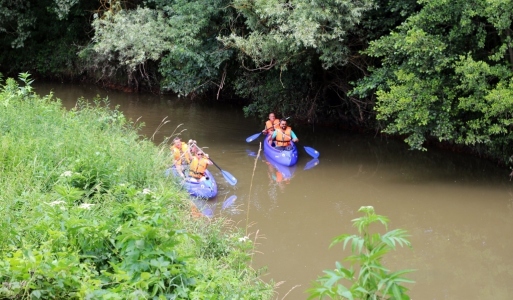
x: 88, y: 214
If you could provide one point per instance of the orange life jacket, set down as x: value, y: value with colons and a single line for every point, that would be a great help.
x: 270, y: 127
x: 198, y: 167
x: 195, y: 211
x: 279, y: 177
x: 283, y: 138
x: 181, y: 155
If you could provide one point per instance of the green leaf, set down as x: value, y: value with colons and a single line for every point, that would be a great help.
x: 374, y: 279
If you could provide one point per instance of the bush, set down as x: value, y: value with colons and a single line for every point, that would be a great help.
x: 89, y: 214
x: 373, y: 281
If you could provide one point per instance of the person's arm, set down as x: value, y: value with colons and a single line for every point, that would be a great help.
x: 187, y: 154
x: 192, y: 148
x: 176, y: 162
x: 209, y: 162
x: 266, y: 127
x: 274, y: 135
x: 294, y: 137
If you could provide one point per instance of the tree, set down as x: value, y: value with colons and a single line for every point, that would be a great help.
x: 42, y: 36
x: 16, y: 20
x: 282, y: 32
x: 176, y: 39
x: 296, y: 48
x: 128, y: 38
x: 373, y: 280
x: 196, y: 62
x: 447, y: 73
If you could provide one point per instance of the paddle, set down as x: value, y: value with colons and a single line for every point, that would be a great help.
x: 256, y: 135
x: 229, y: 177
x: 253, y: 137
x: 208, y: 212
x: 314, y: 162
x: 311, y: 151
x: 229, y: 202
x: 251, y: 153
x: 204, y: 208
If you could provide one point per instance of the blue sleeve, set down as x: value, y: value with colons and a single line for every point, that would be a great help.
x: 274, y: 134
x: 293, y: 135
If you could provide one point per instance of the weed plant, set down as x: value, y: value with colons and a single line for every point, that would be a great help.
x: 88, y: 214
x: 366, y: 276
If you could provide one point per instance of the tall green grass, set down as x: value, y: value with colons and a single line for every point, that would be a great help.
x: 88, y: 214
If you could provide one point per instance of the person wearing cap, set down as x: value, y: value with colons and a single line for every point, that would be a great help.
x: 283, y: 135
x: 271, y: 124
x: 181, y: 155
x: 198, y: 166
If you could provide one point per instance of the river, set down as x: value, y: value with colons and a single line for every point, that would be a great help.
x: 457, y: 208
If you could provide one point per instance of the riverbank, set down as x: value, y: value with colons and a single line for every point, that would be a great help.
x: 88, y: 212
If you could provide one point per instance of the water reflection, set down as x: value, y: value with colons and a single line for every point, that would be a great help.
x: 208, y: 208
x: 312, y: 163
x: 279, y: 175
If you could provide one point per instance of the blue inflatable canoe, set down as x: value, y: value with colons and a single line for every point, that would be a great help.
x: 202, y: 189
x: 286, y: 157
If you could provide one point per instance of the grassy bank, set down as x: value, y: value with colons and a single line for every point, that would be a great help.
x: 88, y: 214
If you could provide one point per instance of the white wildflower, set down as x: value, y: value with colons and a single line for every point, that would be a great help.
x: 58, y: 202
x: 86, y: 205
x: 67, y: 174
x: 243, y: 239
x: 146, y: 191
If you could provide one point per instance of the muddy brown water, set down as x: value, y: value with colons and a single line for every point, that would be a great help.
x: 458, y: 209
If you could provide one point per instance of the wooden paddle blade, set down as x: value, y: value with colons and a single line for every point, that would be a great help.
x: 229, y: 177
x: 253, y: 137
x: 314, y: 162
x: 312, y: 152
